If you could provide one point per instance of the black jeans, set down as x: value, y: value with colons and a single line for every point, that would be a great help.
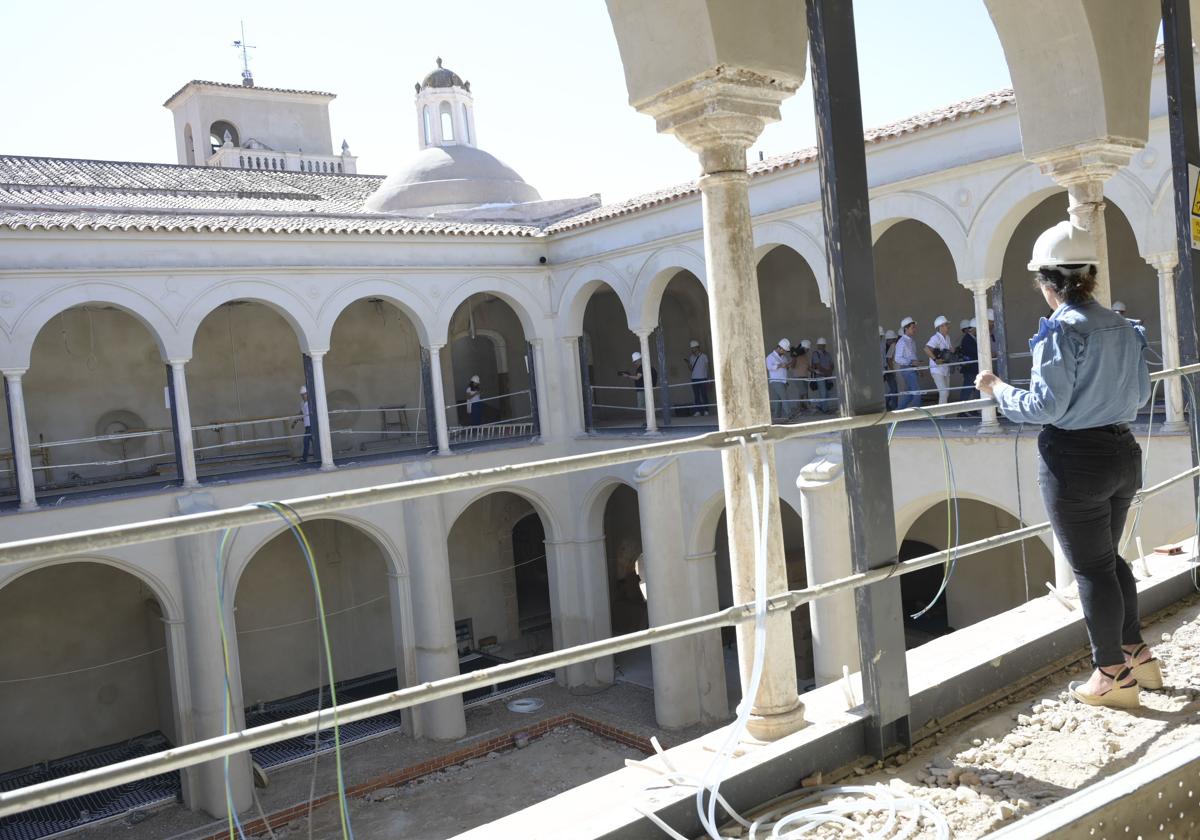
x: 1088, y: 479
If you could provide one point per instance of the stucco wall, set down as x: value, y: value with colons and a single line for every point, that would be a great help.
x: 68, y: 617
x: 791, y: 301
x: 606, y: 327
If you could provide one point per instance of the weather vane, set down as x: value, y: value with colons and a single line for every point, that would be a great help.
x: 247, y: 78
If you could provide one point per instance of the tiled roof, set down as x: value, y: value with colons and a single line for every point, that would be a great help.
x: 89, y: 194
x: 244, y: 87
x: 776, y: 163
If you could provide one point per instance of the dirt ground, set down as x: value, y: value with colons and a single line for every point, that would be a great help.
x: 1039, y: 747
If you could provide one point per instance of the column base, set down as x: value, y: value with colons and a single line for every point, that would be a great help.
x: 1174, y: 427
x: 328, y: 467
x: 28, y: 506
x: 194, y: 484
x: 773, y: 727
x: 990, y: 427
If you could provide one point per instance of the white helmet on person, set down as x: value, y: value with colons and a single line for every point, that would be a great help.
x: 693, y: 343
x: 806, y: 344
x: 1118, y: 306
x: 303, y: 389
x: 964, y: 323
x: 889, y: 335
x: 972, y: 324
x: 1063, y: 244
x: 637, y: 357
x: 821, y: 342
x: 907, y: 321
x: 475, y: 379
x: 939, y: 320
x: 785, y: 344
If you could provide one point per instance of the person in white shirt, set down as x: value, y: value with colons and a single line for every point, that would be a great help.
x: 778, y: 362
x: 306, y: 416
x: 939, y: 348
x: 697, y: 362
x: 822, y: 367
x: 905, y: 359
x: 474, y: 401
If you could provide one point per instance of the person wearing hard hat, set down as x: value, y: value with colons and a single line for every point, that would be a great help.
x: 636, y: 376
x: 940, y: 352
x: 822, y: 366
x: 779, y: 361
x: 889, y: 364
x: 306, y: 416
x: 474, y: 401
x: 905, y: 361
x: 968, y: 353
x: 800, y: 378
x: 697, y: 362
x: 1089, y: 379
x: 1119, y: 308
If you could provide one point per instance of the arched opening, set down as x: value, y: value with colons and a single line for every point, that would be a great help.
x: 426, y: 125
x: 915, y: 277
x: 446, y: 117
x: 982, y: 585
x: 280, y: 644
x: 119, y: 428
x: 1134, y: 282
x: 87, y: 685
x: 244, y: 383
x: 488, y: 341
x: 375, y: 394
x: 217, y: 132
x: 466, y: 123
x: 792, y: 308
x: 797, y: 578
x: 499, y: 581
x: 605, y: 349
x: 682, y: 319
x: 628, y: 611
x: 189, y: 145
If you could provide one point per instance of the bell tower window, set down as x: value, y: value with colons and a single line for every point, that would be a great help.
x: 216, y: 135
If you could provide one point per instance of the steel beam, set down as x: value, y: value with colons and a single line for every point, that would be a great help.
x: 843, y: 168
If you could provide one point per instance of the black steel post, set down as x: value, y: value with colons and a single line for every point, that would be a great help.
x: 313, y: 429
x: 660, y: 345
x: 531, y: 369
x: 585, y: 380
x: 1000, y: 333
x: 174, y: 424
x: 427, y: 392
x: 1185, y: 154
x: 845, y: 203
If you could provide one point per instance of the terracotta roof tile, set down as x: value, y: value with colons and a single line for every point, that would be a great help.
x: 172, y: 97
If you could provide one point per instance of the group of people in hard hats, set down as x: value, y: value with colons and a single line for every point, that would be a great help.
x: 800, y: 378
x: 952, y: 361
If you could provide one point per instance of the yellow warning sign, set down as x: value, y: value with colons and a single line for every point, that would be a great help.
x: 1194, y: 191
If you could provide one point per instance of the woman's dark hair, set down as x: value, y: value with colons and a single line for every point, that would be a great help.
x: 1072, y: 283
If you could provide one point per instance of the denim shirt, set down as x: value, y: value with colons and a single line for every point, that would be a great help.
x: 1088, y: 371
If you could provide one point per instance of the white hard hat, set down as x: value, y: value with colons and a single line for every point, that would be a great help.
x: 637, y: 357
x: 906, y: 321
x: 785, y: 344
x: 972, y: 324
x: 1063, y: 244
x: 820, y: 341
x: 939, y: 320
x: 890, y: 334
x: 964, y: 323
x: 991, y: 315
x: 303, y: 389
x: 475, y: 379
x: 693, y: 343
x: 805, y: 343
x: 1118, y: 306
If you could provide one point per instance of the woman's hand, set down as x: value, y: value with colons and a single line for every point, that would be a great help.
x: 986, y: 381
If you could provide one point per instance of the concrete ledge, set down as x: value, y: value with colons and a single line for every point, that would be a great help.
x: 949, y: 678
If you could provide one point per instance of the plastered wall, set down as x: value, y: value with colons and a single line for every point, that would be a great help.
x: 790, y: 300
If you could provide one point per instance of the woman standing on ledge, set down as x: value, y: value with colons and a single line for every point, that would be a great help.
x: 1088, y: 381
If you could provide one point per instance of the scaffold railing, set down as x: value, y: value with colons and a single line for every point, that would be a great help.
x: 187, y: 755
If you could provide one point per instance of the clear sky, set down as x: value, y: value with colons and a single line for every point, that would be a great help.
x: 85, y: 79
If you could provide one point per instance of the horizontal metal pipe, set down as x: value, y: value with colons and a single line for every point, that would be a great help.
x: 57, y: 790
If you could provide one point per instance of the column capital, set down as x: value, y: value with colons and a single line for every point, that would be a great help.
x: 178, y: 362
x: 14, y: 373
x: 434, y: 348
x: 317, y: 354
x: 645, y: 333
x: 720, y: 113
x: 978, y: 287
x: 1162, y: 261
x: 1085, y: 167
x: 535, y: 341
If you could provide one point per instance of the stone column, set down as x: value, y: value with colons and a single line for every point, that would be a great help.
x: 1168, y: 315
x: 1083, y: 171
x: 573, y: 376
x: 689, y: 674
x: 183, y: 422
x: 983, y: 340
x: 542, y: 387
x: 439, y: 398
x: 648, y: 381
x: 433, y: 616
x: 318, y: 372
x: 825, y: 508
x: 718, y: 116
x: 205, y: 715
x: 19, y: 427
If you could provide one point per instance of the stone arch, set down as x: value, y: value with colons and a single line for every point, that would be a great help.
x: 706, y: 516
x: 1135, y: 200
x: 583, y: 283
x: 888, y: 210
x: 1160, y: 237
x: 916, y: 275
x: 999, y: 213
x: 162, y: 592
x: 414, y: 307
x: 536, y: 500
x: 275, y: 296
x: 769, y: 235
x: 790, y: 305
x: 652, y: 279
x: 499, y: 342
x: 596, y: 500
x: 508, y: 289
x: 153, y: 317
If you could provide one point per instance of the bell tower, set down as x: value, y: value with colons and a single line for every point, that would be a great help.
x: 445, y: 110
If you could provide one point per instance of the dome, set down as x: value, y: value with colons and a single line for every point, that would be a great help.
x: 442, y: 78
x: 450, y: 177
